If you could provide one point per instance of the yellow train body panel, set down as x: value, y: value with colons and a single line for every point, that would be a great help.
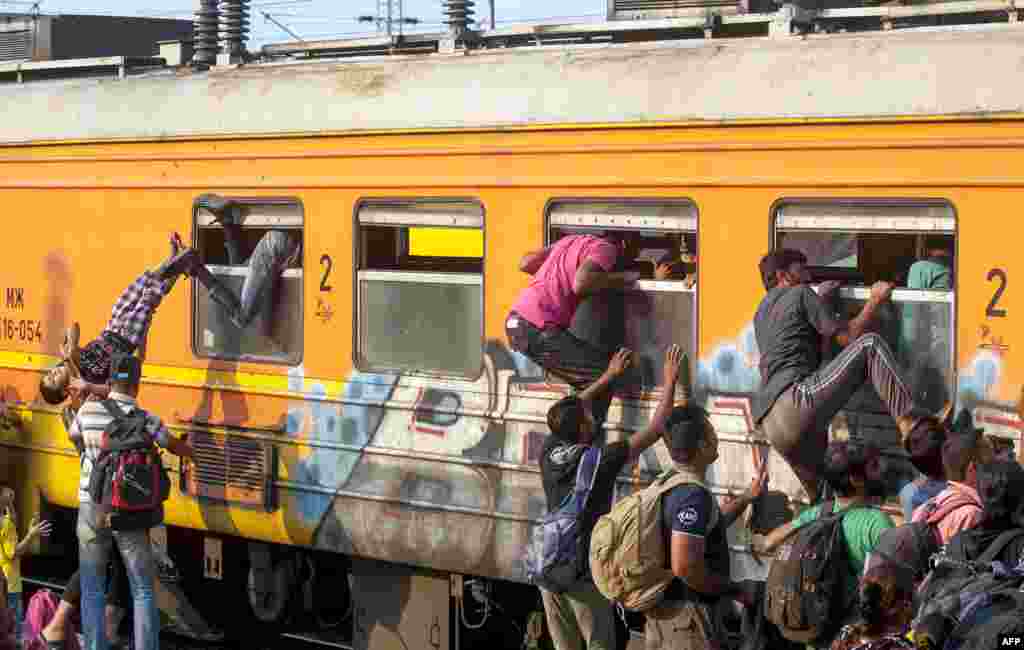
x: 84, y: 219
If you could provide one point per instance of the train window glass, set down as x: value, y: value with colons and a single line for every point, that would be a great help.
x: 419, y: 298
x: 909, y: 243
x: 661, y: 310
x: 271, y: 326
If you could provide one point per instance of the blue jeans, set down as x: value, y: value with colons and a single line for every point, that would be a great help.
x: 94, y: 542
x: 272, y: 255
x: 15, y: 605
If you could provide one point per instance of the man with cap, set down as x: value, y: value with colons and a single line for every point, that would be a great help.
x: 798, y: 396
x: 95, y: 536
x: 695, y: 528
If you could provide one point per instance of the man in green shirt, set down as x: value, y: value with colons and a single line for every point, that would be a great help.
x: 853, y: 470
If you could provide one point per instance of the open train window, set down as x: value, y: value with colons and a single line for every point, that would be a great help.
x: 662, y: 310
x: 252, y: 251
x: 419, y: 294
x: 911, y: 243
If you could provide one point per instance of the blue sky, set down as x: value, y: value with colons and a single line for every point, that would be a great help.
x: 323, y: 19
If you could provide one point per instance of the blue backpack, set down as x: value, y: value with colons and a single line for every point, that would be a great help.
x: 556, y: 559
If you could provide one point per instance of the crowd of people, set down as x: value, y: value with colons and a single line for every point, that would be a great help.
x: 965, y: 508
x: 961, y: 504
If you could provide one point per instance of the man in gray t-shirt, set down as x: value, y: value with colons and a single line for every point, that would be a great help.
x: 798, y: 396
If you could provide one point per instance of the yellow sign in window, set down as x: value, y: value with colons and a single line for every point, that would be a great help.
x: 446, y: 242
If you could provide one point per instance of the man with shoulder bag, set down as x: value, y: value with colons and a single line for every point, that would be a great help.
x: 121, y: 490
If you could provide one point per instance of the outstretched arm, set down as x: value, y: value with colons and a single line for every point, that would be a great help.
x: 179, y: 447
x: 674, y: 358
x: 766, y: 544
x: 590, y: 278
x: 880, y: 292
x: 732, y: 510
x: 69, y: 348
x: 617, y: 366
x: 531, y: 262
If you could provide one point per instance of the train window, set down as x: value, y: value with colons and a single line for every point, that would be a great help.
x: 663, y: 309
x: 419, y: 297
x: 909, y: 243
x: 239, y: 311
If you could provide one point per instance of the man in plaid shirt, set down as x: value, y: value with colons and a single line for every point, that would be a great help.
x: 86, y: 370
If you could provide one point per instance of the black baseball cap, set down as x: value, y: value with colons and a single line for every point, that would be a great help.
x: 126, y: 369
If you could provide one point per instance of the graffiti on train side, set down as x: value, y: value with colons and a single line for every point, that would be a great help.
x: 442, y: 473
x: 732, y: 366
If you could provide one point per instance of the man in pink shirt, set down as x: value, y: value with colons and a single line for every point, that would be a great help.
x: 564, y: 273
x: 958, y: 507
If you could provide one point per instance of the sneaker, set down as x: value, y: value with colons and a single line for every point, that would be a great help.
x: 221, y: 208
x: 182, y: 262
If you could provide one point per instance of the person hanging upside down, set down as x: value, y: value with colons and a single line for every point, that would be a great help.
x: 86, y: 370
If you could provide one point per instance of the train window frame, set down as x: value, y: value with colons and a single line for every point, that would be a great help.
x: 410, y: 220
x: 263, y: 220
x: 615, y: 214
x: 942, y: 221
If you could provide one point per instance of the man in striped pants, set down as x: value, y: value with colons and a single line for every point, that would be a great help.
x: 798, y: 396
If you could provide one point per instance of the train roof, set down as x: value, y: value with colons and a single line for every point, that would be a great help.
x: 958, y: 71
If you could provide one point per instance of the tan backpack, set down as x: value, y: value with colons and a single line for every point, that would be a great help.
x: 627, y: 547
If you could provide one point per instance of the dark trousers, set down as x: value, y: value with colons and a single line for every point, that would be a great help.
x: 559, y: 352
x: 797, y: 424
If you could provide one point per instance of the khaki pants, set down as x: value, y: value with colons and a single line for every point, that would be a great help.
x: 580, y: 620
x: 681, y: 625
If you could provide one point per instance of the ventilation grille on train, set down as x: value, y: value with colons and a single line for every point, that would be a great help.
x: 15, y: 46
x: 634, y: 9
x: 231, y: 469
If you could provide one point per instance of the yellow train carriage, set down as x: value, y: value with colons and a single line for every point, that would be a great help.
x: 374, y: 409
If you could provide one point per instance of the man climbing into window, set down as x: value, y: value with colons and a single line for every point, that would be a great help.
x: 798, y: 396
x: 563, y: 273
x: 85, y: 371
x: 274, y: 253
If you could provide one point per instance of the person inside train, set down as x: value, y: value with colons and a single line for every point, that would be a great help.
x: 583, y: 618
x: 85, y: 371
x: 798, y: 396
x: 95, y: 537
x: 695, y: 537
x: 275, y: 252
x: 678, y: 265
x: 562, y: 274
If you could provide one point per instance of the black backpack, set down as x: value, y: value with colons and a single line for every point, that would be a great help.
x: 128, y: 477
x: 805, y: 590
x: 966, y: 605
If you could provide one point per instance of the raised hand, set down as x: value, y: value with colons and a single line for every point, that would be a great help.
x: 620, y: 362
x: 673, y: 359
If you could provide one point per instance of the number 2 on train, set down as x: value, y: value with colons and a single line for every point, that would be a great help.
x: 328, y: 264
x: 996, y: 274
